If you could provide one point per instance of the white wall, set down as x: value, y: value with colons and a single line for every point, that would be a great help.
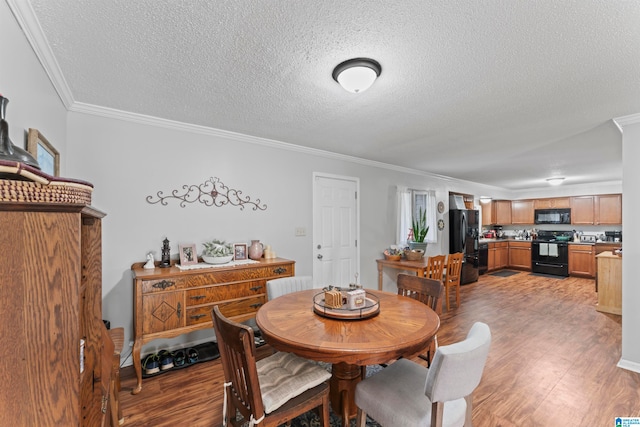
x: 630, y: 204
x: 33, y: 101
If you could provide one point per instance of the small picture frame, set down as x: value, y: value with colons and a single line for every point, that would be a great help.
x: 239, y: 251
x: 188, y: 254
x: 45, y: 154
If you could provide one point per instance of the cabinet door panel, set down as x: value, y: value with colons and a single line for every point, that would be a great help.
x: 609, y: 209
x: 163, y: 312
x: 522, y: 212
x: 582, y: 209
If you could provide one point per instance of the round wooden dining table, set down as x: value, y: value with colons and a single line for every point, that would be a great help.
x: 402, y: 328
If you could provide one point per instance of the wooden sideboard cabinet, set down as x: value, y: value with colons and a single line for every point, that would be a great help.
x: 169, y: 302
x: 51, y: 300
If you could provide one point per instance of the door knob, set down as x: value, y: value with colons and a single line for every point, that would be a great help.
x: 319, y: 256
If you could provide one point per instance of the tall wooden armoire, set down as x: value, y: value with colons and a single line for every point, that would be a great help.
x: 55, y: 352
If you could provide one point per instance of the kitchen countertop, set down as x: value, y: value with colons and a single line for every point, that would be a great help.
x: 511, y: 239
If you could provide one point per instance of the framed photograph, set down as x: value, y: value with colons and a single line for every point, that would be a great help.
x: 47, y: 156
x: 188, y: 254
x: 240, y: 251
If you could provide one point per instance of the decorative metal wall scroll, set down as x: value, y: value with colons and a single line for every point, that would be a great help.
x: 212, y: 192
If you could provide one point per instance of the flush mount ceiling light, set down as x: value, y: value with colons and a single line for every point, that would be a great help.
x: 357, y: 75
x: 485, y: 199
x: 555, y: 181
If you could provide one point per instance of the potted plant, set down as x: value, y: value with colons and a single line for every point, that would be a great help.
x: 217, y: 252
x: 420, y: 230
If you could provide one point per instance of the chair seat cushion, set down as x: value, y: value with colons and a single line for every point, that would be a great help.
x: 283, y: 376
x: 390, y: 397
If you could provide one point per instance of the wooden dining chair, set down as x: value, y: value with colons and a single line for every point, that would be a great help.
x: 269, y: 392
x: 427, y: 291
x: 452, y: 277
x: 435, y: 267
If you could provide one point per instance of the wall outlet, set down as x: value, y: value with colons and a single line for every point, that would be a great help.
x: 301, y: 231
x: 130, y: 343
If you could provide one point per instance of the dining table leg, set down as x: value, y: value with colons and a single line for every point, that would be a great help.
x: 342, y: 385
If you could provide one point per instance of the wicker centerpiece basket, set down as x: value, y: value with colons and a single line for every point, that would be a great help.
x: 25, y: 184
x: 414, y: 254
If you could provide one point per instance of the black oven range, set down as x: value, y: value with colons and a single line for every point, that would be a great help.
x: 550, y: 253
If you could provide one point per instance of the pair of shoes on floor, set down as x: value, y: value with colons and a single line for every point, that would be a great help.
x: 192, y: 355
x: 154, y: 363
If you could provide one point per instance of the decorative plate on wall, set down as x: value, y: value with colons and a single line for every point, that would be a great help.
x: 440, y: 206
x: 441, y: 224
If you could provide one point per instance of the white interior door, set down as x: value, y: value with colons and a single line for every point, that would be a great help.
x: 335, y: 230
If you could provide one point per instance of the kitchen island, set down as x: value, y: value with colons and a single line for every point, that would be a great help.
x: 609, y: 270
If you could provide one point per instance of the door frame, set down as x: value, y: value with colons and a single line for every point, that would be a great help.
x: 315, y: 216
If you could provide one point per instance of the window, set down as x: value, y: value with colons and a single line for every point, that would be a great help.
x: 410, y: 202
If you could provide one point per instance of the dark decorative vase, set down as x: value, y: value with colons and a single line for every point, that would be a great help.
x: 8, y: 151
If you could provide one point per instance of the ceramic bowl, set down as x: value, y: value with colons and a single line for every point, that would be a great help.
x: 217, y: 259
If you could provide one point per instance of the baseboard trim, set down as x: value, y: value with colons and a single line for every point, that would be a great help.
x: 629, y: 365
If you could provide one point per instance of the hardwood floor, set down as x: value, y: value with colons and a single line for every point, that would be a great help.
x: 552, y: 362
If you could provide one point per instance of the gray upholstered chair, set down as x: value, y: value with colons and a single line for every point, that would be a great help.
x: 408, y: 394
x: 286, y: 285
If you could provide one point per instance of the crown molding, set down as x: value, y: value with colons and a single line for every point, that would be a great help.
x: 623, y: 121
x: 79, y: 107
x: 26, y: 17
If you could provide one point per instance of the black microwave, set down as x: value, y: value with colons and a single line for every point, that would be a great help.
x: 552, y: 216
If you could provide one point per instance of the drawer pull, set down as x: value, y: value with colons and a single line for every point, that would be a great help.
x: 198, y: 316
x: 179, y: 311
x: 163, y: 284
x: 198, y: 297
x: 256, y: 305
x: 280, y: 270
x: 256, y: 288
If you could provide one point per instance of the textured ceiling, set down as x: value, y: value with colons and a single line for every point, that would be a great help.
x: 504, y: 93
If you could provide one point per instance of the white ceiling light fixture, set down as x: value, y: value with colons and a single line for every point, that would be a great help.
x: 357, y: 75
x: 485, y: 199
x: 555, y: 181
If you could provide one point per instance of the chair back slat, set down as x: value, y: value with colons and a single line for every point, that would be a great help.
x: 454, y: 268
x: 237, y: 353
x: 425, y: 290
x: 435, y: 266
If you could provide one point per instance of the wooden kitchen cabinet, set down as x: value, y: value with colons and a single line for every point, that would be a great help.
x: 609, y: 283
x: 496, y: 212
x: 51, y: 300
x: 487, y: 213
x: 169, y: 302
x: 552, y: 203
x: 498, y: 255
x: 502, y: 209
x: 597, y: 210
x: 582, y: 260
x: 608, y: 209
x: 522, y: 212
x: 520, y: 255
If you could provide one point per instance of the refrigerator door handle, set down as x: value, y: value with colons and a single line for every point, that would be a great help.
x: 463, y: 232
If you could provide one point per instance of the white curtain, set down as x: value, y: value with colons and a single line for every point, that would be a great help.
x: 409, y: 203
x: 404, y: 215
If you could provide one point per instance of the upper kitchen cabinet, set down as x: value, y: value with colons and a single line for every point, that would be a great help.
x: 496, y: 212
x: 502, y: 212
x: 597, y: 210
x: 522, y: 211
x: 487, y: 212
x: 552, y: 203
x: 608, y: 209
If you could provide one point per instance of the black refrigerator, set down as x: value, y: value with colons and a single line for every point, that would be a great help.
x: 463, y: 237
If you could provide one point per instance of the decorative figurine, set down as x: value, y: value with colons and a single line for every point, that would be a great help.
x: 166, y: 254
x: 150, y: 262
